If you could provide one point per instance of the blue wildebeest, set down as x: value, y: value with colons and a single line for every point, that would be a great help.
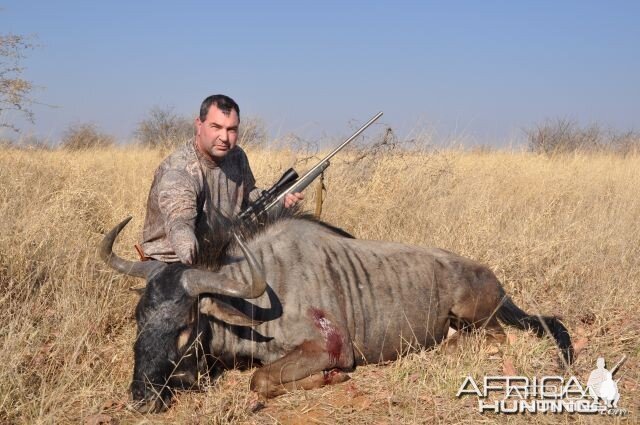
x: 321, y: 302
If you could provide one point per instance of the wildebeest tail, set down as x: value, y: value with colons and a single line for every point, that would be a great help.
x: 512, y: 315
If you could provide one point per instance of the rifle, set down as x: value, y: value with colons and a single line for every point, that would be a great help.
x: 290, y: 182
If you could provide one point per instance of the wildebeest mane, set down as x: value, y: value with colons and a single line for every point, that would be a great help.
x: 216, y: 238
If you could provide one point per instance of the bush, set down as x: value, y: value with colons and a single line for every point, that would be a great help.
x: 164, y: 128
x: 565, y: 136
x: 562, y: 135
x: 626, y: 143
x: 252, y: 132
x: 85, y: 136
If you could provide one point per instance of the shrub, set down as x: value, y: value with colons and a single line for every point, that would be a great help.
x: 85, y: 136
x: 564, y: 136
x: 626, y: 143
x: 252, y: 132
x: 164, y: 128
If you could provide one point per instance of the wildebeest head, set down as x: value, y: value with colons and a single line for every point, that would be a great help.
x: 168, y: 330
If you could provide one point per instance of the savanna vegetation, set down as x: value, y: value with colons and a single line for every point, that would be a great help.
x: 559, y: 229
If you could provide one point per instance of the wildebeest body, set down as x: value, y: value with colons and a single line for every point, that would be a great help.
x: 331, y: 302
x: 381, y: 297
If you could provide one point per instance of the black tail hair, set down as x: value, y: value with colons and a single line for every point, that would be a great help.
x: 512, y: 315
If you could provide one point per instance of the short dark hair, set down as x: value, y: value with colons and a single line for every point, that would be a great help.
x: 222, y: 102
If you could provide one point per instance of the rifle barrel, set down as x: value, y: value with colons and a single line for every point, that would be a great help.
x: 353, y: 136
x: 324, y: 163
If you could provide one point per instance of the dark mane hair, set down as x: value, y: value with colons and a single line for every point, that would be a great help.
x: 216, y: 239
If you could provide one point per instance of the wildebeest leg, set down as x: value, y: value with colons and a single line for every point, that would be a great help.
x: 317, y: 380
x: 308, y: 366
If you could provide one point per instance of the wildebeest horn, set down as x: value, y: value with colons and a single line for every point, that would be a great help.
x: 131, y: 268
x: 198, y: 282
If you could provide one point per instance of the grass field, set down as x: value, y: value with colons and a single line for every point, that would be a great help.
x: 561, y: 233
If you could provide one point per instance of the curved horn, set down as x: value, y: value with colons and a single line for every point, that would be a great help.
x: 197, y: 281
x: 132, y: 268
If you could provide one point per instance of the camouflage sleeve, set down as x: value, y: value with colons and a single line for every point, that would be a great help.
x: 178, y: 202
x: 251, y: 191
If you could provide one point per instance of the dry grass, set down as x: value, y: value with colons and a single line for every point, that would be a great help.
x: 561, y: 233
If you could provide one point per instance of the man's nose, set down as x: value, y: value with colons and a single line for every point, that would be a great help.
x: 224, y: 135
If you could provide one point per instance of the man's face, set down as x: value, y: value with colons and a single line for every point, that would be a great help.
x: 217, y: 134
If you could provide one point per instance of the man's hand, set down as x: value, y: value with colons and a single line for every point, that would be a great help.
x: 185, y: 244
x: 292, y: 198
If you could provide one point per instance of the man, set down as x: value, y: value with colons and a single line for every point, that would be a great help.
x: 210, y: 175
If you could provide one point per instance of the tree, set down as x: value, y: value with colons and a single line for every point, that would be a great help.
x: 15, y: 91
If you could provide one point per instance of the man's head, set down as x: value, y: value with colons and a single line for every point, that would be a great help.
x: 600, y: 362
x: 217, y: 126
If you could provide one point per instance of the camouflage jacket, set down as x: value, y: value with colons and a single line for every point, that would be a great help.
x: 187, y: 192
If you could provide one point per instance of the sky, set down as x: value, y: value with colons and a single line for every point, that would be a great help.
x: 480, y: 71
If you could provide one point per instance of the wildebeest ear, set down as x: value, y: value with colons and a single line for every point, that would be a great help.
x: 226, y: 313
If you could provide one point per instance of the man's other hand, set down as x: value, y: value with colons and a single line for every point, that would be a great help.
x: 292, y: 198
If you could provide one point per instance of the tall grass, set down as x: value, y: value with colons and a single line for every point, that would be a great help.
x: 562, y: 233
